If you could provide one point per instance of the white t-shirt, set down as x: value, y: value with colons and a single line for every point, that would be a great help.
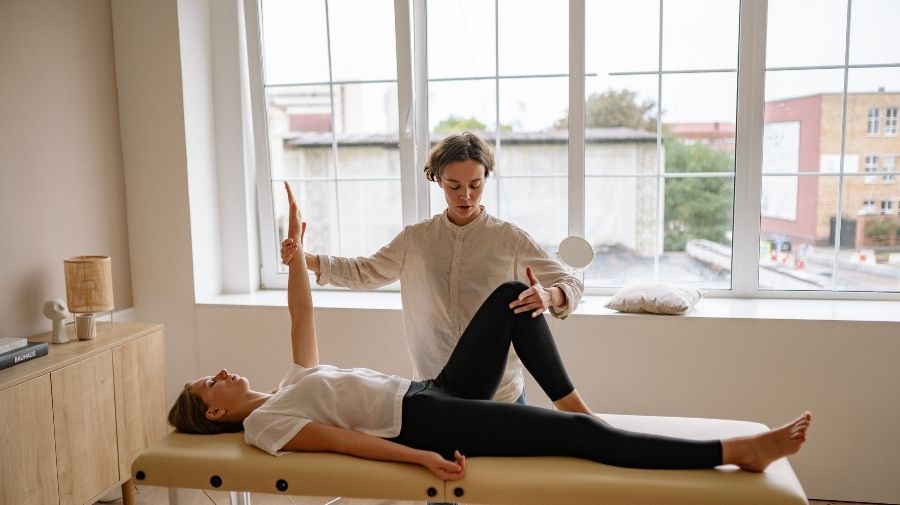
x: 358, y: 399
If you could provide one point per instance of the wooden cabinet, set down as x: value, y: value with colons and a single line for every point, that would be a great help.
x: 72, y: 422
x: 27, y: 454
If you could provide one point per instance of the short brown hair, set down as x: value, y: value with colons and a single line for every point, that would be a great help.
x: 188, y: 415
x: 458, y: 147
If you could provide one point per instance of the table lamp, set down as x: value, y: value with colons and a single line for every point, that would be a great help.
x: 88, y: 290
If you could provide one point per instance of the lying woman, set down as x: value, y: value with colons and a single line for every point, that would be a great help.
x: 434, y: 422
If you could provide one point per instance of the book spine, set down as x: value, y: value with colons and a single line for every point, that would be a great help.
x: 22, y: 355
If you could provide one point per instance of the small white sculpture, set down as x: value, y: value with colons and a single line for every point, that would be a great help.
x: 55, y: 310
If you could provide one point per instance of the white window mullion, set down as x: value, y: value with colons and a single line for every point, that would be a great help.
x: 420, y: 107
x: 577, y: 51
x: 405, y: 86
x: 268, y: 269
x: 748, y: 147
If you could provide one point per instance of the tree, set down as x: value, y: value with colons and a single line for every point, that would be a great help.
x: 882, y: 233
x: 612, y: 109
x: 698, y: 207
x: 455, y: 124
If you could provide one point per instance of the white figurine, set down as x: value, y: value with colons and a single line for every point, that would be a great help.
x: 56, y: 311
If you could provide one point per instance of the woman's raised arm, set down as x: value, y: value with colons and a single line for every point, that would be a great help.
x: 303, y: 324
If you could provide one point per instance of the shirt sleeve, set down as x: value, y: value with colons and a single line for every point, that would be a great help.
x: 549, y: 273
x: 383, y: 267
x: 271, y: 432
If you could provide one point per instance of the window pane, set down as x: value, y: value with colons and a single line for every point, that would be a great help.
x: 806, y: 33
x: 802, y: 131
x: 521, y: 50
x: 537, y: 205
x: 366, y: 125
x: 701, y: 109
x: 700, y: 34
x: 531, y: 154
x: 295, y: 41
x: 608, y: 23
x: 620, y: 224
x: 608, y: 153
x: 697, y: 228
x: 884, y: 80
x: 461, y: 38
x: 462, y: 105
x: 371, y: 215
x: 873, y: 32
x: 534, y: 105
x: 357, y: 57
x: 797, y: 232
x: 366, y: 109
x: 870, y: 258
x: 318, y: 202
x: 621, y: 121
x: 793, y: 84
x: 369, y: 158
x: 299, y: 127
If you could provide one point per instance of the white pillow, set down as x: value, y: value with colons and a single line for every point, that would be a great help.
x: 656, y: 298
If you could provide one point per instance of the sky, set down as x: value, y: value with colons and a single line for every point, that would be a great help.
x: 621, y: 37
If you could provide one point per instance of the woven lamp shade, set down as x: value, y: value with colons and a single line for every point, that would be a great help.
x: 89, y: 286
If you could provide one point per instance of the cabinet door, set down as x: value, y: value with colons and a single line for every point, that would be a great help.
x: 27, y: 454
x: 140, y: 375
x: 84, y: 421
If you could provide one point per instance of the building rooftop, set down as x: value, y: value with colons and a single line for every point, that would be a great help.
x: 592, y: 136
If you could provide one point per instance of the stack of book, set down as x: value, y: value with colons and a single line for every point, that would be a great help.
x: 14, y: 351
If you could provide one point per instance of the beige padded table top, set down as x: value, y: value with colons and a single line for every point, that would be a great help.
x: 226, y: 463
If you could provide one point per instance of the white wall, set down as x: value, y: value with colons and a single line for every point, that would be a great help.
x: 151, y: 112
x: 62, y: 189
x: 762, y: 370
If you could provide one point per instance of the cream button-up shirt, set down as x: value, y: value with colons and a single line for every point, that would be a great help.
x: 446, y: 272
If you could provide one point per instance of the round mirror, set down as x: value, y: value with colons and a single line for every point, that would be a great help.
x: 576, y: 252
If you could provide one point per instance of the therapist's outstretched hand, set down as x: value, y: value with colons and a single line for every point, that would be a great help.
x: 536, y: 298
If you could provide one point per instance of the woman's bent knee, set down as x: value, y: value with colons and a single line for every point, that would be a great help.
x: 509, y: 291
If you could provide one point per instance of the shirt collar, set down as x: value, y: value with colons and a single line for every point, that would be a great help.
x: 482, y: 216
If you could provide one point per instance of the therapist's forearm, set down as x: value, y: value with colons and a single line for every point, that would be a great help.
x: 557, y: 297
x: 312, y: 262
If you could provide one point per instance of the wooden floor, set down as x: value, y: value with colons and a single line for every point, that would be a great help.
x: 148, y: 495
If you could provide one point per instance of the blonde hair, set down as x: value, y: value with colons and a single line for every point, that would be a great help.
x: 458, y: 147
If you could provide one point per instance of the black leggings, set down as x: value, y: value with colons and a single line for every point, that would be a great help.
x: 454, y: 411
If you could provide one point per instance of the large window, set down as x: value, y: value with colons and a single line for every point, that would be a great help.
x: 653, y: 128
x: 828, y: 76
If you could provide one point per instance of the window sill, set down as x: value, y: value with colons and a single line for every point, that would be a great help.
x: 592, y: 305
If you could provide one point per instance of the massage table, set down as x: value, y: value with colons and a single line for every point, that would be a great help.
x: 226, y: 463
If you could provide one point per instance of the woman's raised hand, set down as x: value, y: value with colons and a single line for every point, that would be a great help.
x: 296, y: 226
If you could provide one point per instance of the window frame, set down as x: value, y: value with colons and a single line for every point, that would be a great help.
x: 890, y: 122
x: 412, y: 81
x: 874, y: 122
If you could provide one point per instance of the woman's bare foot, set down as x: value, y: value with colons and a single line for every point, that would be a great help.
x: 756, y: 452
